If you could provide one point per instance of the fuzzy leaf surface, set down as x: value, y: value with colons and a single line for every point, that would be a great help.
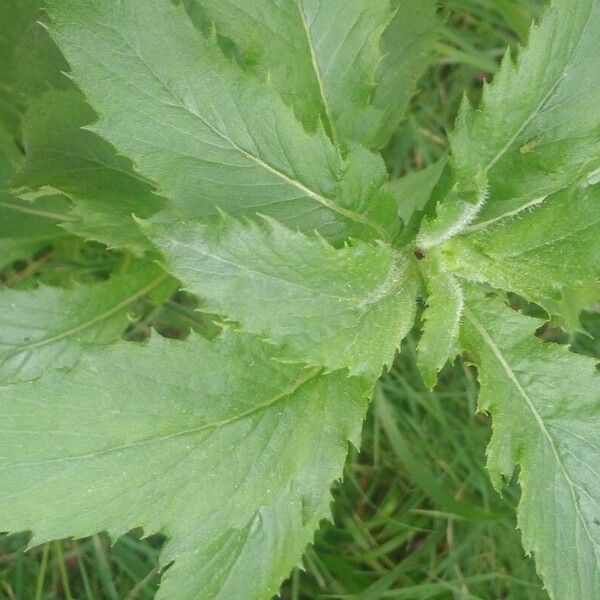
x: 227, y: 452
x: 103, y: 186
x: 347, y: 308
x: 49, y: 327
x: 543, y: 254
x: 545, y: 404
x: 441, y: 323
x: 209, y: 135
x: 538, y: 127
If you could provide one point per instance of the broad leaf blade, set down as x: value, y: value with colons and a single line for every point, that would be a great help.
x: 407, y: 47
x: 25, y: 227
x: 352, y: 64
x: 216, y: 445
x: 321, y: 55
x: 347, y: 308
x: 546, y: 254
x: 538, y: 127
x: 49, y: 328
x: 545, y: 402
x: 210, y: 136
x: 105, y: 190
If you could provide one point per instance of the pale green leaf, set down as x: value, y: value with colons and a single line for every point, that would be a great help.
x: 50, y: 327
x: 540, y: 254
x: 545, y: 403
x: 441, y: 321
x: 213, y: 444
x: 105, y: 190
x: 538, y: 127
x: 353, y: 64
x: 347, y: 308
x: 209, y: 135
x: 407, y: 47
x: 321, y: 55
x: 459, y: 209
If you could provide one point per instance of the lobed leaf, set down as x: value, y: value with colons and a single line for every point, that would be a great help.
x: 320, y: 56
x: 538, y: 127
x: 546, y: 254
x: 352, y: 65
x: 545, y: 402
x: 210, y: 136
x: 227, y: 452
x: 347, y: 308
x: 407, y: 47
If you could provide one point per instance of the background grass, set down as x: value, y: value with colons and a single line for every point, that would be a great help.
x: 415, y: 516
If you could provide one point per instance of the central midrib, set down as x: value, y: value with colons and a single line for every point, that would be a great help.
x: 485, y: 336
x: 305, y: 378
x: 318, y: 76
x: 318, y: 197
x: 91, y: 322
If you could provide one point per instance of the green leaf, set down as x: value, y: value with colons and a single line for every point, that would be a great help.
x: 214, y: 444
x: 542, y: 254
x: 103, y: 186
x: 407, y: 47
x: 15, y: 19
x: 538, y: 127
x: 585, y: 296
x: 347, y: 308
x: 545, y: 402
x: 352, y: 64
x: 210, y: 136
x: 441, y: 321
x: 11, y: 157
x: 26, y: 227
x: 49, y: 328
x: 321, y: 55
x: 459, y: 209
